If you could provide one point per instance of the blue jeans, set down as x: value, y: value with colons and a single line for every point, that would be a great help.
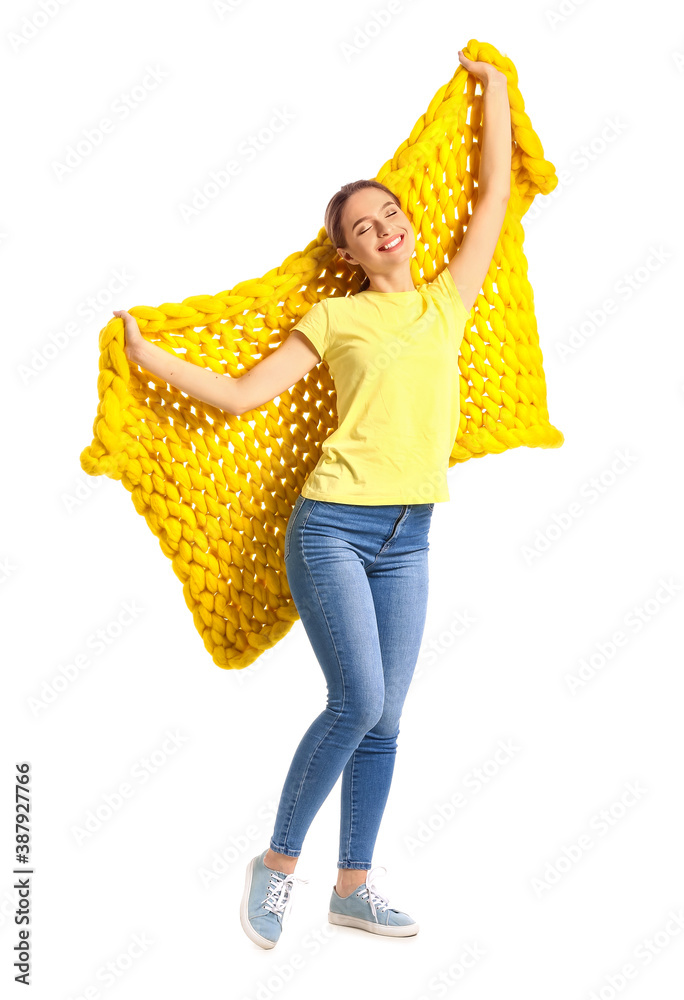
x: 358, y: 576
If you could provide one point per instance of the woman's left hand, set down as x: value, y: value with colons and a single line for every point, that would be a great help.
x: 483, y: 71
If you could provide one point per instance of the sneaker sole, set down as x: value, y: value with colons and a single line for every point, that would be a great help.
x: 244, y: 911
x: 399, y: 930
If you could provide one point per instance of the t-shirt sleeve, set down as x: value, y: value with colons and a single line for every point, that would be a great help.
x: 445, y: 286
x: 315, y: 326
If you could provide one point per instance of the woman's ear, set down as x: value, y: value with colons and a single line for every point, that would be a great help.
x: 346, y: 257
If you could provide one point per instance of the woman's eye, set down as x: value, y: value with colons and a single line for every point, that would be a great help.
x: 362, y: 231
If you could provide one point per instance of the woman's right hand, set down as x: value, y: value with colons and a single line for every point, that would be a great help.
x: 134, y: 340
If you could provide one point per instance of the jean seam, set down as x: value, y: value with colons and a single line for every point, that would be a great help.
x: 351, y: 811
x: 344, y: 690
x: 351, y: 805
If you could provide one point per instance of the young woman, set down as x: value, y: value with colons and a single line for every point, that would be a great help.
x: 356, y: 545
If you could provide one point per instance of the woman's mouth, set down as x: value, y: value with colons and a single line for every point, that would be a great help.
x: 391, y: 245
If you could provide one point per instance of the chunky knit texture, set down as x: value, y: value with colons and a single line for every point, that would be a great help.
x: 218, y: 490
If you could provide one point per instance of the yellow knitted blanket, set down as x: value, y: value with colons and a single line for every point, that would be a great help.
x: 217, y: 490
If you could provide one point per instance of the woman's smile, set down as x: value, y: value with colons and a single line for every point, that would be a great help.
x: 389, y: 246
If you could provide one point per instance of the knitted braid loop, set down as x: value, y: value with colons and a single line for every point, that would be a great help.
x: 217, y: 490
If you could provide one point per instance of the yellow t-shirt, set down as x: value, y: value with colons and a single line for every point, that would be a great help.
x: 393, y: 357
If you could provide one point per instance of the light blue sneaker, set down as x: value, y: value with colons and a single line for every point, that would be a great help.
x: 366, y: 909
x: 266, y: 898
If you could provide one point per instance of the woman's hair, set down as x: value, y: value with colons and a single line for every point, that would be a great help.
x: 333, y: 215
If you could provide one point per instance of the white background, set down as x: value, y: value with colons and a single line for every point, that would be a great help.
x: 604, y: 92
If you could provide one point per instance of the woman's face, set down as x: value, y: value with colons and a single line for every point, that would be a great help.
x: 370, y: 221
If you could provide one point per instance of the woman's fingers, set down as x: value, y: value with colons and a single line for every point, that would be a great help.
x: 483, y: 71
x: 129, y: 321
x: 132, y: 335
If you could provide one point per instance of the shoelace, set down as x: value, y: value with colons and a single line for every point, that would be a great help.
x: 368, y: 892
x: 279, y: 893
